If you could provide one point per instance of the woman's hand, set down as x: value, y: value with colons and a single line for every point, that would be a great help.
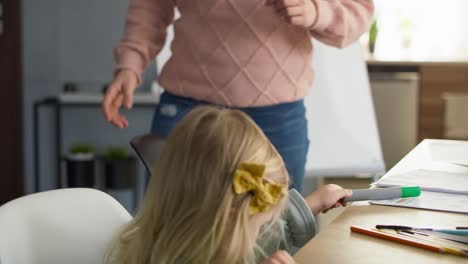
x: 302, y: 13
x: 280, y: 257
x: 118, y: 94
x: 327, y: 197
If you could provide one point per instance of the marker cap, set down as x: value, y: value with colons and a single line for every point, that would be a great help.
x: 410, y: 191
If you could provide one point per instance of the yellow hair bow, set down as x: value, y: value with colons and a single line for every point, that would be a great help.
x: 249, y: 178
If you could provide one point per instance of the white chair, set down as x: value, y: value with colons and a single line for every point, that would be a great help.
x: 65, y: 226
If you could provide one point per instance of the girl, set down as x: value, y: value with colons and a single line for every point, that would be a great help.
x: 254, y: 55
x: 219, y: 188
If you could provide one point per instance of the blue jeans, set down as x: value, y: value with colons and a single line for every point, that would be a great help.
x: 285, y: 126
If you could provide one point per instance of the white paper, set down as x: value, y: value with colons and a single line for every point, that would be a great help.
x: 429, y: 180
x: 452, y: 152
x: 432, y: 201
x: 460, y: 162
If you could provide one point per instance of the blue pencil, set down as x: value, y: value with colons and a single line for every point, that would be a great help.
x: 457, y: 231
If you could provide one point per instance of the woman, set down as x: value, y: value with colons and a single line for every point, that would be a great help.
x: 246, y: 54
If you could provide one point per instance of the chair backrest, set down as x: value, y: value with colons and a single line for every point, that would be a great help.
x: 65, y: 226
x: 148, y: 147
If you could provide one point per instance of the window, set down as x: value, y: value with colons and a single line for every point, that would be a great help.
x: 421, y: 30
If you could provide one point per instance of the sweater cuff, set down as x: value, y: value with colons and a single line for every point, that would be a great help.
x: 129, y: 60
x: 300, y: 220
x: 324, y: 13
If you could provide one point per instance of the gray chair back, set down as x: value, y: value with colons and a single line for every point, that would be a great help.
x: 148, y: 148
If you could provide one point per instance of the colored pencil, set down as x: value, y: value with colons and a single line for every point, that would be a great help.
x: 405, y: 240
x: 445, y: 244
x: 457, y: 231
x: 394, y: 238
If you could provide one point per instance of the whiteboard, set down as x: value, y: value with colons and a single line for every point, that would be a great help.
x: 343, y: 133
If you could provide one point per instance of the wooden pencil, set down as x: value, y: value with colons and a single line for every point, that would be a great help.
x: 447, y: 245
x: 406, y: 241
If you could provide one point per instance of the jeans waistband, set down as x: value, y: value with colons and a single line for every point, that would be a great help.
x: 282, y: 108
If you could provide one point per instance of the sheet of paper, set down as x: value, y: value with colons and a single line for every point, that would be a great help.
x: 461, y: 163
x: 452, y: 152
x: 432, y: 201
x: 429, y: 180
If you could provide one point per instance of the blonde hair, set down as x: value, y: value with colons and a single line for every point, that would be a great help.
x: 190, y: 213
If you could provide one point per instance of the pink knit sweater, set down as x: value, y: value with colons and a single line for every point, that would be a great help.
x: 235, y: 52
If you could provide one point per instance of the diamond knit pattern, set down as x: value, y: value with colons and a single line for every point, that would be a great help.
x: 237, y: 53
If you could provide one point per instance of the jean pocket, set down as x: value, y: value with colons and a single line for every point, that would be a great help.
x: 167, y: 115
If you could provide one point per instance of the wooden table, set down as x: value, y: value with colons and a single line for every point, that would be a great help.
x: 336, y: 243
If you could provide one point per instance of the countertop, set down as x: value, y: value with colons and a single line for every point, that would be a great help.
x: 373, y: 61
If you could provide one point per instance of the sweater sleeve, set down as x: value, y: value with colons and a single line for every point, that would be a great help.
x: 300, y: 225
x: 341, y: 22
x: 144, y: 34
x: 296, y: 227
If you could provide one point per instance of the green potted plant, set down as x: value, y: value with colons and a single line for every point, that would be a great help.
x: 80, y: 165
x: 373, y: 33
x: 120, y: 168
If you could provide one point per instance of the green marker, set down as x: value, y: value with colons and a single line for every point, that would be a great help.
x: 383, y: 193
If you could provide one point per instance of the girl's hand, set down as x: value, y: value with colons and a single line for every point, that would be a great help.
x: 119, y: 93
x: 280, y: 257
x: 327, y: 197
x: 302, y: 13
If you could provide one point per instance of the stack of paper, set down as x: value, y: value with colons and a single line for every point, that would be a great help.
x: 442, y: 191
x: 447, y: 202
x: 437, y: 181
x: 451, y: 152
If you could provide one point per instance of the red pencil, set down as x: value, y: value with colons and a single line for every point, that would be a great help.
x: 395, y: 239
